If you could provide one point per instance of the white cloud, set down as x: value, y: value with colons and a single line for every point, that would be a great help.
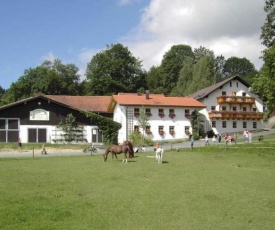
x: 49, y: 57
x: 84, y: 57
x: 229, y: 28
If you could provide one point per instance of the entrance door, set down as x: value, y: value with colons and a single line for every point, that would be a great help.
x: 97, y: 136
x: 37, y: 135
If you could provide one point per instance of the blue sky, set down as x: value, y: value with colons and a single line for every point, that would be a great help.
x: 74, y: 30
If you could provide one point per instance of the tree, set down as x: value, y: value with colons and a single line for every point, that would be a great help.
x: 154, y: 79
x: 71, y: 130
x: 241, y: 67
x: 171, y: 65
x: 143, y: 121
x: 185, y: 78
x: 50, y: 78
x: 202, y: 75
x: 264, y: 82
x: 114, y: 70
x: 268, y: 29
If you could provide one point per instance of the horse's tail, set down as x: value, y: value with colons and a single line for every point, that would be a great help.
x: 131, y: 149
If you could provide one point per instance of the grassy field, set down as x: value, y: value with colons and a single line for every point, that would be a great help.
x: 211, y: 187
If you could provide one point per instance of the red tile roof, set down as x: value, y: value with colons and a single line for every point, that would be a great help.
x: 87, y: 103
x: 156, y: 100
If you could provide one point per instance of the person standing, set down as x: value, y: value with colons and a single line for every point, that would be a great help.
x: 20, y: 145
x: 206, y: 140
x: 192, y: 141
x: 219, y: 137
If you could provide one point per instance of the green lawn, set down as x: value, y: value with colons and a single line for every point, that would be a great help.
x: 212, y: 187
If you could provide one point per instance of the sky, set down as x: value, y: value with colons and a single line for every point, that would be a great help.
x: 32, y: 31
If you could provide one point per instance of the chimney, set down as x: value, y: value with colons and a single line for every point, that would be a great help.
x: 147, y: 94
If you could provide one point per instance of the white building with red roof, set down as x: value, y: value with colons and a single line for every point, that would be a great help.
x: 168, y: 117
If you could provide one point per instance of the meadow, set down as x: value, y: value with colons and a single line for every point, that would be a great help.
x: 211, y: 187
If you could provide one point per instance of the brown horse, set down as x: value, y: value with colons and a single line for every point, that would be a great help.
x: 126, y: 147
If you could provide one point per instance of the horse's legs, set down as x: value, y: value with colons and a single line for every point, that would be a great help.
x: 125, y: 158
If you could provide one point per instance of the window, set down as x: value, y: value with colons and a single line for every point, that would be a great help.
x: 9, y: 130
x: 234, y: 124
x: 254, y: 125
x: 136, y: 112
x: 148, y: 130
x: 161, y: 113
x: 223, y: 108
x: 224, y: 124
x: 172, y: 130
x: 244, y: 109
x: 136, y: 129
x: 213, y: 107
x: 254, y: 109
x: 161, y: 130
x: 148, y: 112
x: 234, y: 108
x: 244, y: 125
x: 213, y: 124
x: 187, y: 113
x: 223, y: 93
x: 244, y: 94
x: 2, y: 124
x: 230, y: 84
x: 186, y: 129
x: 237, y: 84
x: 172, y: 113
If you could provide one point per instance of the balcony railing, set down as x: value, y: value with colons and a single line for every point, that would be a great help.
x: 233, y: 115
x: 224, y: 99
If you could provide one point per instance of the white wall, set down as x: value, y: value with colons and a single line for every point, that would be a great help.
x: 239, y: 88
x: 179, y: 122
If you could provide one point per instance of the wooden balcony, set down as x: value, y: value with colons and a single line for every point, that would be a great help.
x: 224, y: 99
x: 234, y: 115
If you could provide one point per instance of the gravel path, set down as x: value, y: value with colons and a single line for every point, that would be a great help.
x: 68, y: 152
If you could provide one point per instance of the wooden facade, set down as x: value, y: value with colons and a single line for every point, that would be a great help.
x: 33, y: 119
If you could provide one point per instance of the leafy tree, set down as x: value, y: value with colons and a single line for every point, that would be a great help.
x: 49, y: 78
x: 143, y: 121
x: 219, y: 68
x: 114, y: 70
x: 202, y: 75
x: 154, y: 79
x: 203, y: 52
x: 71, y: 130
x: 241, y: 67
x: 268, y: 29
x: 185, y: 78
x: 264, y: 82
x: 194, y: 76
x: 171, y: 65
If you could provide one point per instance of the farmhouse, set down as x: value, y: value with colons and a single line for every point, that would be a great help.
x: 230, y: 107
x: 227, y: 106
x: 36, y: 119
x: 168, y: 117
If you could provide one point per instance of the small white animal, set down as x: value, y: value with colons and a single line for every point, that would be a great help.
x: 159, y: 154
